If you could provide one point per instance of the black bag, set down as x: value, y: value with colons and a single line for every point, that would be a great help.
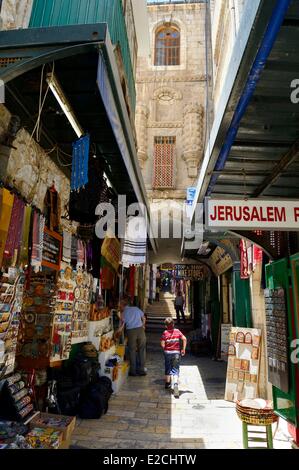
x: 68, y: 400
x: 94, y: 400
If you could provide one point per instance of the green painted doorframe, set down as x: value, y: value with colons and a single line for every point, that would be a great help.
x: 241, y: 299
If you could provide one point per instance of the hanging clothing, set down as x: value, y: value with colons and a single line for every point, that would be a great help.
x: 134, y: 249
x: 132, y: 282
x: 38, y: 227
x: 244, y: 260
x: 52, y: 209
x: 5, y: 216
x: 80, y: 253
x: 67, y: 247
x: 24, y: 254
x: 13, y: 241
x: 107, y: 275
x: 79, y: 178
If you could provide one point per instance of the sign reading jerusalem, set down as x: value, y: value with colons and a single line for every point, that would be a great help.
x: 252, y: 214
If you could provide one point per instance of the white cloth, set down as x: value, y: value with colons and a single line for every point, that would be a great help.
x: 134, y: 247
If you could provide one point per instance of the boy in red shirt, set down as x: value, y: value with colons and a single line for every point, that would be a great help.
x: 174, y: 345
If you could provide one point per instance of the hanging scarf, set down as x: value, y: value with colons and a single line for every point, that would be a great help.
x: 23, y: 260
x: 107, y: 275
x: 67, y: 247
x: 79, y: 178
x: 37, y: 240
x: 134, y: 247
x: 74, y: 251
x: 80, y: 253
x: 52, y: 209
x: 244, y: 260
x: 5, y: 216
x: 132, y: 282
x: 13, y: 240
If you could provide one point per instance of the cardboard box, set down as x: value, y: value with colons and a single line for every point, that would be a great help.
x: 65, y: 424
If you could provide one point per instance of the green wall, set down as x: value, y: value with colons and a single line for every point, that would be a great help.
x: 71, y: 12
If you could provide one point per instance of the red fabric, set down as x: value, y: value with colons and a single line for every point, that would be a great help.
x: 132, y: 282
x: 244, y: 260
x: 172, y: 340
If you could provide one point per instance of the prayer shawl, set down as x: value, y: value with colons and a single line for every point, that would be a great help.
x: 134, y: 247
x: 67, y: 247
x: 5, y: 216
x: 13, y: 241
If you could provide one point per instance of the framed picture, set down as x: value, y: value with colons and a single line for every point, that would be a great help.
x: 256, y: 341
x: 247, y: 377
x: 231, y: 350
x: 241, y: 376
x: 248, y: 338
x: 245, y: 365
x: 255, y: 353
x: 240, y: 337
x: 238, y: 364
x: 235, y: 375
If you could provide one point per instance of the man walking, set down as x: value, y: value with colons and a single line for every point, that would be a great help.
x: 179, y: 307
x: 133, y: 320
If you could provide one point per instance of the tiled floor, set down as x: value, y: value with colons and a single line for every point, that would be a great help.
x: 145, y: 416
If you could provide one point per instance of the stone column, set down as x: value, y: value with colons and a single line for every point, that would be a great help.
x: 142, y: 115
x: 193, y: 137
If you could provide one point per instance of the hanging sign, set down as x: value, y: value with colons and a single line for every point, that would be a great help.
x: 191, y: 192
x: 52, y: 250
x: 190, y: 271
x: 252, y: 214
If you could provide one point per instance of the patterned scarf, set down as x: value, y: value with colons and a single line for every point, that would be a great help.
x: 5, y: 216
x: 13, y: 241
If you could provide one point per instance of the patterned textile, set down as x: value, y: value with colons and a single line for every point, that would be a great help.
x: 79, y: 177
x: 37, y: 240
x: 244, y: 260
x: 13, y: 241
x: 134, y: 248
x: 5, y: 216
x: 67, y: 247
x: 111, y: 251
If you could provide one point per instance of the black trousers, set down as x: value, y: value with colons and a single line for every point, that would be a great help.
x: 179, y: 310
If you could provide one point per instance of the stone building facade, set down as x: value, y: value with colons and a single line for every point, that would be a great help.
x: 171, y: 97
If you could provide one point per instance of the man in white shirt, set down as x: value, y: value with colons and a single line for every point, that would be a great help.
x: 133, y: 320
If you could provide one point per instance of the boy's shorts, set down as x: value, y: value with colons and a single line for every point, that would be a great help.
x: 172, y: 363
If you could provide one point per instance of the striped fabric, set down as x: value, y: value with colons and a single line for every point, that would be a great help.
x: 134, y: 247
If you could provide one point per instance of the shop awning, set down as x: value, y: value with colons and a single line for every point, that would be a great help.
x: 85, y: 66
x: 264, y: 158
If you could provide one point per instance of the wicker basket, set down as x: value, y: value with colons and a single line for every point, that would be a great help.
x: 258, y: 417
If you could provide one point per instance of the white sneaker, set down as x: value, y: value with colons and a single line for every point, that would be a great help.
x: 176, y: 392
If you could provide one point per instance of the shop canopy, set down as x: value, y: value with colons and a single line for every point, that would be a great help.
x: 86, y: 69
x: 254, y: 144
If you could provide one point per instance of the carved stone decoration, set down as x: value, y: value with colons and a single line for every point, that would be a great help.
x: 167, y: 95
x: 142, y: 114
x: 193, y: 137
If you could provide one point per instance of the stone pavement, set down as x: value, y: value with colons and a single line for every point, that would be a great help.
x: 145, y: 416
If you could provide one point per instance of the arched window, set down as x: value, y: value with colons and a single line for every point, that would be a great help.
x: 167, y: 46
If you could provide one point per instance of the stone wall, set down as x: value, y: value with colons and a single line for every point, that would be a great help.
x: 30, y: 170
x: 15, y: 14
x: 226, y: 19
x: 171, y: 100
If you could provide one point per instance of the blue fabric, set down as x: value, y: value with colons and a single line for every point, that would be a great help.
x: 172, y: 363
x: 132, y: 317
x: 80, y: 163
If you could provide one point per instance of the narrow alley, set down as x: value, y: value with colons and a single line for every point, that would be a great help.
x: 145, y: 416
